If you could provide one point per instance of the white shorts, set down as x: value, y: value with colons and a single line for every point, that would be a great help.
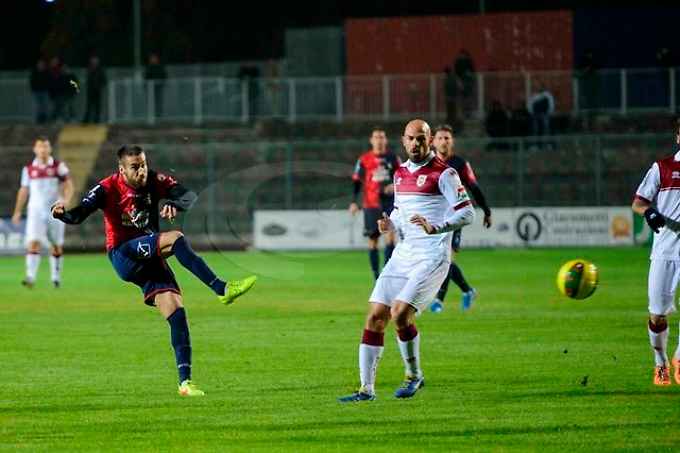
x: 414, y: 281
x: 44, y: 228
x: 663, y: 280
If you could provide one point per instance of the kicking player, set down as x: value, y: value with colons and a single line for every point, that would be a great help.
x: 430, y: 203
x: 138, y: 251
x: 658, y: 200
x: 444, y: 144
x: 43, y: 182
x: 374, y: 172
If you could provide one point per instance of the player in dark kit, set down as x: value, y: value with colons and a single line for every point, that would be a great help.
x: 138, y: 251
x: 374, y: 173
x: 444, y: 144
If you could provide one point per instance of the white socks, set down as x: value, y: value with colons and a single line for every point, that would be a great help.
x: 409, y: 346
x: 659, y: 342
x: 368, y: 365
x: 56, y: 263
x: 370, y: 351
x: 32, y: 263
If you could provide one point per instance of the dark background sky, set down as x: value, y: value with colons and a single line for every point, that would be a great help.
x: 194, y: 31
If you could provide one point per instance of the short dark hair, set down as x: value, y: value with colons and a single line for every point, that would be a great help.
x: 41, y: 138
x: 377, y: 128
x: 444, y: 127
x: 129, y: 150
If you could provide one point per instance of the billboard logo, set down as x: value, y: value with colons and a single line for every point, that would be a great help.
x: 528, y: 227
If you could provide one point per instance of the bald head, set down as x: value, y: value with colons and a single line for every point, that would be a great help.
x: 417, y: 126
x: 417, y: 139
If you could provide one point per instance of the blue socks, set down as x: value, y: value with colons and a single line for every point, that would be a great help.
x: 373, y: 258
x: 389, y: 248
x: 181, y: 343
x: 195, y: 264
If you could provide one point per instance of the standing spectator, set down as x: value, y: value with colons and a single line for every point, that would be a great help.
x: 540, y: 106
x: 497, y: 124
x: 588, y: 88
x: 450, y: 95
x: 96, y: 82
x: 520, y: 120
x: 55, y: 89
x: 70, y: 88
x: 250, y: 76
x: 464, y: 69
x: 39, y: 86
x: 155, y: 75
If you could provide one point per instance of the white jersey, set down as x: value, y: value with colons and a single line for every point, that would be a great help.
x: 432, y: 190
x: 661, y: 185
x: 42, y: 181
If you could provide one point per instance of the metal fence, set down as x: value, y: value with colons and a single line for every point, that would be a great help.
x: 203, y: 99
x: 233, y: 179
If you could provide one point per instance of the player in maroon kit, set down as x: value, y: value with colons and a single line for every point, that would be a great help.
x: 444, y: 144
x: 374, y: 172
x: 138, y: 250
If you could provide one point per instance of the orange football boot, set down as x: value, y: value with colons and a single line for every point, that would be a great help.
x: 661, y: 375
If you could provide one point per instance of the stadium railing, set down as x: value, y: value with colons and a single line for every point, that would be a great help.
x: 202, y: 99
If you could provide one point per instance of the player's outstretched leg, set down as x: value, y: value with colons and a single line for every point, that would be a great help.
x: 56, y: 265
x: 409, y: 347
x: 370, y: 352
x: 174, y: 243
x: 658, y: 338
x: 170, y: 306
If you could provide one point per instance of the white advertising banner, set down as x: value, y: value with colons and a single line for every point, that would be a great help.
x: 512, y: 227
x: 12, y: 237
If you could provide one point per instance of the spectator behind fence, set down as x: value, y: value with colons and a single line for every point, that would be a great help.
x: 96, y: 83
x: 520, y: 120
x: 250, y: 75
x: 156, y: 75
x: 497, y: 125
x: 55, y: 89
x: 70, y: 88
x: 39, y: 89
x: 464, y: 69
x: 450, y: 96
x: 588, y: 92
x: 541, y: 106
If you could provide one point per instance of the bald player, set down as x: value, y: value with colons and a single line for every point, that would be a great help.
x: 430, y: 204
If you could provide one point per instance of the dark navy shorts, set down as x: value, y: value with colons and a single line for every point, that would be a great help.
x: 371, y: 217
x: 455, y: 242
x: 139, y: 261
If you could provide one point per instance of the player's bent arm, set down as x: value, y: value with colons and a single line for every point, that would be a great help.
x: 94, y: 200
x: 461, y: 216
x: 181, y: 198
x: 457, y: 197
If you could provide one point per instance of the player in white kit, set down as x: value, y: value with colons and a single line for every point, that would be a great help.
x: 430, y: 203
x: 44, y: 181
x: 661, y: 187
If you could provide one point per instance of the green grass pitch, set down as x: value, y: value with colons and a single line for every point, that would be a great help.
x: 89, y: 367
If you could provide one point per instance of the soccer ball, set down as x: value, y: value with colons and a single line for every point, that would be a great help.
x: 577, y: 279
